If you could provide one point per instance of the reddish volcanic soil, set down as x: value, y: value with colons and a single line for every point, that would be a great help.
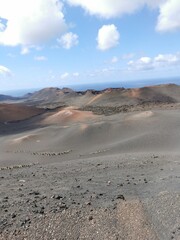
x: 17, y: 112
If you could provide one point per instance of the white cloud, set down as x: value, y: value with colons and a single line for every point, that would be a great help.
x: 165, y: 60
x: 108, y: 37
x: 40, y: 58
x: 145, y: 60
x: 144, y: 63
x: 159, y: 61
x: 113, y: 8
x: 68, y: 40
x: 31, y: 22
x: 169, y: 18
x: 64, y: 75
x: 114, y: 59
x: 76, y: 74
x: 25, y: 50
x: 4, y: 71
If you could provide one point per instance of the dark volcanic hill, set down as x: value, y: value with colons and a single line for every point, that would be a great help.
x: 7, y: 98
x: 53, y: 97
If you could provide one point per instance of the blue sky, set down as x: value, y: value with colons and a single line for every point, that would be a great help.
x: 53, y: 43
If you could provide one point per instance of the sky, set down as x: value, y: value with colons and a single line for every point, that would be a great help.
x: 51, y: 43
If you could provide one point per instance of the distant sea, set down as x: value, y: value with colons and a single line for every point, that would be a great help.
x: 98, y: 86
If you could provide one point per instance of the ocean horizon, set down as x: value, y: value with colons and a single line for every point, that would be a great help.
x: 96, y: 86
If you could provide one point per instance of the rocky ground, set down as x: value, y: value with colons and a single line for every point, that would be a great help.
x: 144, y: 106
x: 114, y: 197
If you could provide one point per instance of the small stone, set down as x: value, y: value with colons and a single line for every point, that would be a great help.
x: 90, y: 218
x: 41, y: 211
x: 13, y: 215
x: 62, y: 206
x: 120, y: 197
x: 99, y: 164
x: 108, y: 183
x: 58, y: 197
x: 22, y: 181
x: 34, y: 193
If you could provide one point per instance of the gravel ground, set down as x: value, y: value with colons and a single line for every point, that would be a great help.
x: 132, y: 196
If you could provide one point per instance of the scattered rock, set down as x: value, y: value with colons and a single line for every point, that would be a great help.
x: 34, y: 193
x: 39, y: 210
x: 25, y: 221
x: 121, y: 197
x: 90, y: 218
x: 99, y: 164
x: 57, y: 197
x: 109, y: 183
x: 13, y: 215
x: 22, y: 181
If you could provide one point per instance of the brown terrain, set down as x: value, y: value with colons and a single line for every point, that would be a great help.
x: 93, y: 165
x: 17, y: 112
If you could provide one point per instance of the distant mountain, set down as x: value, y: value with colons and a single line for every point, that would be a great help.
x: 167, y: 93
x: 6, y: 98
x: 51, y: 96
x: 50, y: 93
